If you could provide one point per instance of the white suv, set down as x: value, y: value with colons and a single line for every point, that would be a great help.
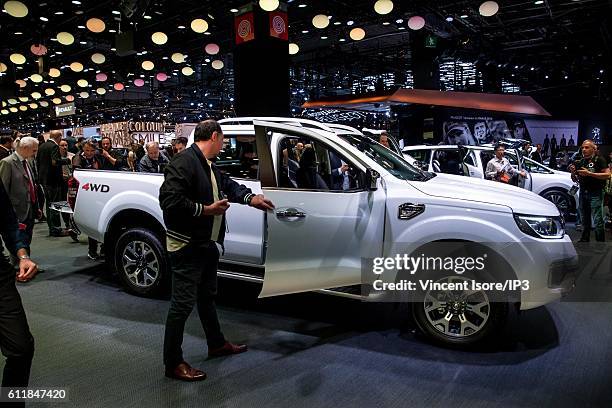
x: 553, y: 185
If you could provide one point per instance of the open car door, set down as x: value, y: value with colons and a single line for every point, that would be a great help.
x: 516, y: 159
x: 316, y: 237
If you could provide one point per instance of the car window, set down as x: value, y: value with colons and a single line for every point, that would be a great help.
x: 535, y: 167
x: 238, y: 157
x: 470, y: 158
x: 447, y: 161
x: 312, y: 165
x: 421, y: 155
x: 512, y: 159
x: 485, y: 158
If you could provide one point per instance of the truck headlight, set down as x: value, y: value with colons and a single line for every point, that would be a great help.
x: 541, y: 226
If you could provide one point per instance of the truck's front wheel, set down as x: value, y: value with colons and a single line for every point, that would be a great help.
x: 140, y: 262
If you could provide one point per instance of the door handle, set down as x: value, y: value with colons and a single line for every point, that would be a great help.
x: 290, y: 213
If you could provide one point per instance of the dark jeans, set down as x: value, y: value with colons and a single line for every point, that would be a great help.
x: 52, y: 195
x: 591, y: 203
x: 194, y: 280
x: 16, y: 341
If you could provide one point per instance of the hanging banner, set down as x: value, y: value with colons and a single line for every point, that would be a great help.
x: 244, y: 25
x: 278, y: 25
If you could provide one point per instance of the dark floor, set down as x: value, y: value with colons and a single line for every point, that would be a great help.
x: 305, y: 350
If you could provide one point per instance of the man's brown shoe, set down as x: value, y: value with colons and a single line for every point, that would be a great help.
x: 185, y: 372
x: 227, y: 349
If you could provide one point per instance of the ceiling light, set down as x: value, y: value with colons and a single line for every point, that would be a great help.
x: 178, y: 58
x: 3, y: 67
x: 12, y: 101
x: 211, y: 49
x: 116, y: 12
x: 18, y: 33
x: 24, y: 98
x: 13, y: 109
x: 84, y: 95
x: 324, y: 37
x: 159, y: 38
x: 139, y: 82
x: 268, y: 5
x: 49, y: 91
x: 416, y: 22
x: 82, y: 83
x: 305, y: 31
x: 36, y: 95
x: 217, y: 64
x: 383, y: 6
x: 302, y: 5
x: 161, y: 76
x: 98, y: 58
x: 181, y: 27
x: 464, y: 16
x: 199, y: 25
x: 357, y: 34
x: 17, y: 59
x: 293, y: 48
x: 83, y: 42
x: 23, y: 108
x: 118, y: 86
x: 488, y: 8
x: 69, y: 98
x: 65, y: 88
x: 45, y: 19
x: 36, y: 78
x: 147, y: 17
x: 350, y: 23
x: 56, y: 101
x: 44, y: 104
x: 65, y: 38
x: 76, y: 66
x: 147, y: 65
x: 187, y: 71
x: 33, y: 105
x: 77, y: 2
x: 449, y: 19
x: 100, y: 91
x: 38, y: 49
x: 95, y: 25
x: 16, y: 9
x: 337, y: 23
x: 320, y: 21
x: 59, y: 13
x: 101, y: 77
x: 537, y: 3
x: 233, y: 10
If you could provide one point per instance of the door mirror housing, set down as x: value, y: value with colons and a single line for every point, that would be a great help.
x: 372, y: 177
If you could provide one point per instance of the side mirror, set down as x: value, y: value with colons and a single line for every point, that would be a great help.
x: 372, y: 177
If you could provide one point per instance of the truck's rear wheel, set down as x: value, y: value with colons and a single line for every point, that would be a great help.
x: 140, y: 262
x: 458, y: 318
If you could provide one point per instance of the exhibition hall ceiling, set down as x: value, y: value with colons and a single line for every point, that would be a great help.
x: 61, y: 51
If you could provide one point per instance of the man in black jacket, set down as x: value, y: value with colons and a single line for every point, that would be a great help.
x: 49, y: 162
x: 192, y: 198
x: 16, y: 341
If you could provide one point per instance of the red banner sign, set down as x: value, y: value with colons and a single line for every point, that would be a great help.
x: 244, y: 25
x: 279, y: 25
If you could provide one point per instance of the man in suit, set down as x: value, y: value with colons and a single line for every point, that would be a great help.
x: 6, y: 146
x: 49, y: 163
x: 16, y: 341
x: 18, y: 179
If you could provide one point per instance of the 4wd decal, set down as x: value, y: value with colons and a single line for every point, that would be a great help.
x: 102, y: 188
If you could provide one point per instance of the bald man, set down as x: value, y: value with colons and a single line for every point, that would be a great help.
x: 49, y: 162
x: 591, y: 171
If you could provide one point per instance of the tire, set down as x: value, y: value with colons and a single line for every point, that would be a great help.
x: 561, y: 199
x: 482, y: 319
x: 141, y: 263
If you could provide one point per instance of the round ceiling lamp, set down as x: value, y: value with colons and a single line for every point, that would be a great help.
x: 101, y: 77
x: 488, y: 8
x: 65, y: 38
x: 383, y: 6
x: 56, y: 101
x: 69, y: 98
x: 38, y: 49
x: 76, y: 66
x: 23, y: 108
x: 199, y: 25
x: 416, y: 22
x: 95, y: 25
x: 13, y: 109
x: 100, y: 91
x: 98, y: 58
x: 17, y: 59
x: 139, y: 82
x: 44, y: 104
x: 84, y: 95
x: 147, y: 65
x: 82, y: 83
x: 36, y: 78
x: 293, y: 48
x: 161, y: 76
x: 357, y: 34
x: 12, y: 101
x: 178, y: 58
x: 187, y: 71
x: 36, y: 95
x: 4, y: 111
x: 24, y: 98
x: 268, y: 5
x: 16, y: 9
x: 49, y: 91
x: 118, y: 86
x: 159, y: 38
x: 65, y: 88
x: 33, y: 105
x: 21, y: 83
x: 3, y: 67
x: 54, y: 73
x: 217, y: 64
x: 320, y: 21
x: 211, y: 49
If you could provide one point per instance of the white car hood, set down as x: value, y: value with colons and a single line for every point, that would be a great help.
x: 485, y: 191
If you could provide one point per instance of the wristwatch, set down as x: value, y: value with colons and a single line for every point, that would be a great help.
x: 24, y: 257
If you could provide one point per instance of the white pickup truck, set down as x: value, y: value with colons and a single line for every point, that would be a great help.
x: 320, y: 237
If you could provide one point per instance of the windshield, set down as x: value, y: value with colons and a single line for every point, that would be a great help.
x: 391, y: 162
